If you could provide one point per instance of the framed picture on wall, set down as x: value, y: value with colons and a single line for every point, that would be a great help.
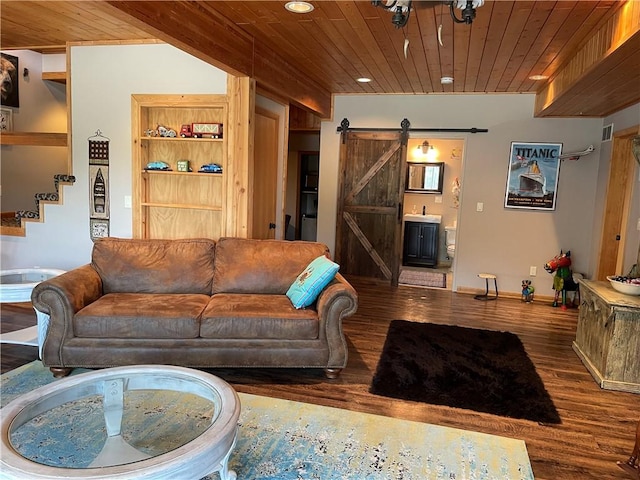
x: 9, y: 81
x: 532, y: 177
x: 6, y: 119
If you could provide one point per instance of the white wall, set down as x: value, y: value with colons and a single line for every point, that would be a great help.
x: 27, y: 170
x: 103, y: 78
x: 502, y: 241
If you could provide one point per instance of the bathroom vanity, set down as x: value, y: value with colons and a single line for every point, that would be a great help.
x: 421, y: 238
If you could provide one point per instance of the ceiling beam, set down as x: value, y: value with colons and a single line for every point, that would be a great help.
x: 198, y: 29
x: 615, y: 42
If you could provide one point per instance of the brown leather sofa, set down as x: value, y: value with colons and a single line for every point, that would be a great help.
x: 193, y: 303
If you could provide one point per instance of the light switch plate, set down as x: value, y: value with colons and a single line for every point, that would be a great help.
x: 479, y: 207
x: 127, y: 201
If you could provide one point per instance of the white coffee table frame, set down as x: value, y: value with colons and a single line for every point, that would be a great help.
x: 21, y: 292
x: 206, y: 454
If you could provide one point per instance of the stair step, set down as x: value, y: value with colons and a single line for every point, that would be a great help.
x: 45, y: 197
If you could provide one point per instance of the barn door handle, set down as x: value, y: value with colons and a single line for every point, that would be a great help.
x: 272, y: 226
x: 399, y: 211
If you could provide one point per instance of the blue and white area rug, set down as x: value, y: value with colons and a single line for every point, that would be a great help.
x: 285, y: 440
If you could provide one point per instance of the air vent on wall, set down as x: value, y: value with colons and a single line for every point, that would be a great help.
x: 607, y: 132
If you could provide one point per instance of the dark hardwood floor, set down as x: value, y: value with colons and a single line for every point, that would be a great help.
x: 598, y: 426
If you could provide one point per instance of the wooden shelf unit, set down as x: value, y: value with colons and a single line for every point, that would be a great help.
x: 59, y: 77
x: 34, y: 139
x: 176, y: 204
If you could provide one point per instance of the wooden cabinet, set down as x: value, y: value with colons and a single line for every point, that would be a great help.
x: 178, y: 204
x: 420, y: 244
x: 608, y: 336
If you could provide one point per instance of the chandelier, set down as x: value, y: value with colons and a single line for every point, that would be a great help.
x: 468, y: 8
x: 401, y: 10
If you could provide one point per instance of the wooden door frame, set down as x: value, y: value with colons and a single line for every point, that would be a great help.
x: 618, y: 198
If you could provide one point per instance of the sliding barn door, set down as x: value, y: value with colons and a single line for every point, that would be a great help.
x: 369, y: 221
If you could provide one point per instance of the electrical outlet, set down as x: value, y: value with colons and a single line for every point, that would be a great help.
x: 438, y: 199
x: 533, y: 271
x: 479, y: 207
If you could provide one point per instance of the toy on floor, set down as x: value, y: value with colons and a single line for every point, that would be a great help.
x: 527, y: 291
x: 564, y: 280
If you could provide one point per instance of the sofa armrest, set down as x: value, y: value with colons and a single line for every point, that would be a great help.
x: 337, y: 301
x: 60, y: 298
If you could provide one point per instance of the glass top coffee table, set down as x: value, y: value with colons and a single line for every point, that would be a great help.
x: 142, y: 421
x: 16, y: 286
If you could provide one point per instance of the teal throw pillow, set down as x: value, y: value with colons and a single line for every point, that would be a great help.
x: 306, y: 288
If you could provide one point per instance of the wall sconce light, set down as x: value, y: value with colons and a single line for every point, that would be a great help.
x: 427, y: 149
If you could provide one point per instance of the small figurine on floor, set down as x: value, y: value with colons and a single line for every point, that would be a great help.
x: 527, y: 291
x: 564, y: 281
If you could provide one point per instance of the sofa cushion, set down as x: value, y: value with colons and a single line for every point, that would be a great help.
x: 261, y: 266
x: 154, y: 266
x: 251, y: 316
x: 307, y: 286
x: 138, y: 315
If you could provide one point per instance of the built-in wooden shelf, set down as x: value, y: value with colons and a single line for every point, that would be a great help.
x: 34, y: 139
x: 60, y: 77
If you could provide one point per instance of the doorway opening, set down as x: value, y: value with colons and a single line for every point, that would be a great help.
x: 430, y: 217
x: 303, y: 173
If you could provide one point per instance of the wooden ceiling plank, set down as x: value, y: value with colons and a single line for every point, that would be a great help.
x: 461, y: 43
x: 438, y: 58
x: 425, y: 32
x: 231, y: 49
x: 514, y: 28
x: 530, y: 39
x: 368, y: 29
x: 479, y: 31
x: 550, y: 30
x: 582, y: 22
x: 384, y: 42
x: 500, y: 14
x: 292, y: 34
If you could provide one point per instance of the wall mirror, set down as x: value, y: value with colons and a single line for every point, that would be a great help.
x: 424, y: 177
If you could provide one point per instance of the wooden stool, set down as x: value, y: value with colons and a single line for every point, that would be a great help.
x: 486, y: 295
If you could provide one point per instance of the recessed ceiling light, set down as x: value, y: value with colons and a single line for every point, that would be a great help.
x: 299, y: 7
x: 538, y: 77
x: 446, y: 80
x: 364, y: 80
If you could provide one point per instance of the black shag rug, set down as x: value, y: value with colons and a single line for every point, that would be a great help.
x: 480, y: 370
